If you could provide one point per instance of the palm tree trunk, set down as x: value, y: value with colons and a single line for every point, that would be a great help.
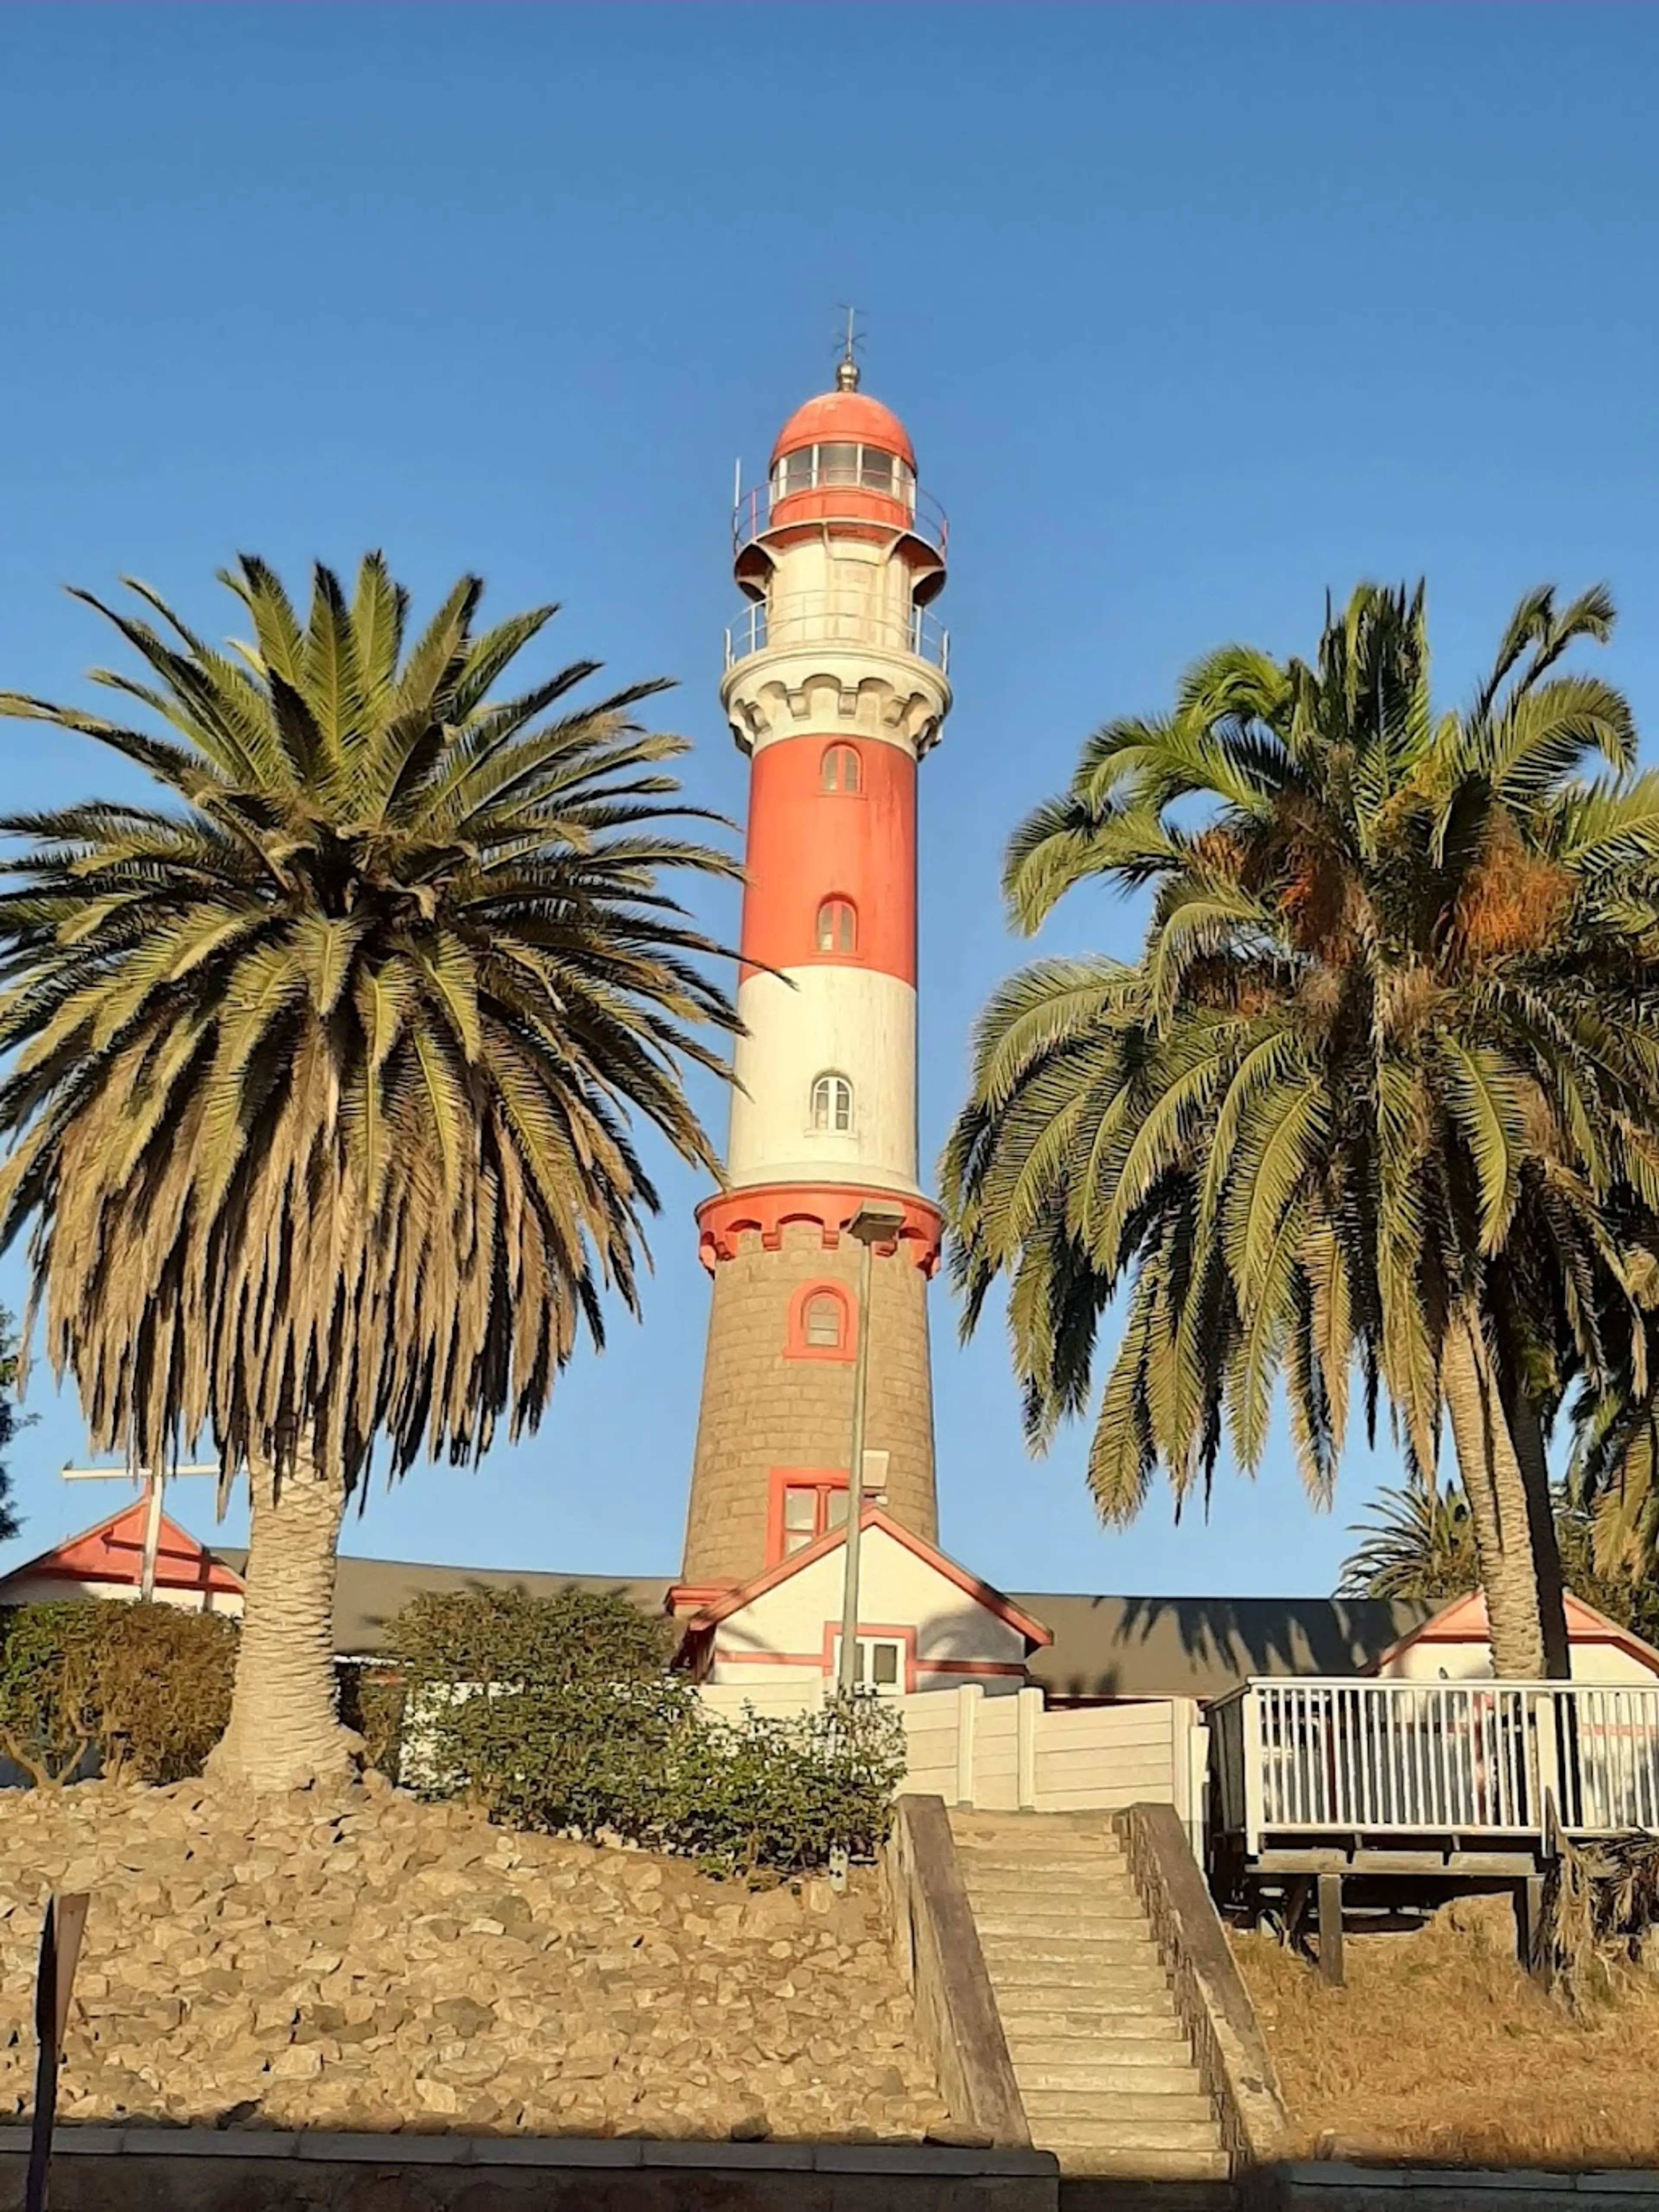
x: 1498, y: 1502
x: 1528, y: 1431
x: 284, y: 1731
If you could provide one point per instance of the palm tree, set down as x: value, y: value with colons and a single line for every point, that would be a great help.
x: 1385, y: 1062
x: 321, y: 1072
x: 10, y: 1422
x: 1418, y: 1544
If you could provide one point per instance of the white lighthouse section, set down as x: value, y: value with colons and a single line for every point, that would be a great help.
x: 790, y: 1121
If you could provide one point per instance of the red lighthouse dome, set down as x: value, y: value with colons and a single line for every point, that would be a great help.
x: 843, y: 465
x: 845, y: 415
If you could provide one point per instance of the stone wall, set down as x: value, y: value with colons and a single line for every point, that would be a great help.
x: 761, y: 1410
x: 135, y: 2170
x: 380, y: 1964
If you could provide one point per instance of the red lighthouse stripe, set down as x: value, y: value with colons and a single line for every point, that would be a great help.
x: 810, y: 846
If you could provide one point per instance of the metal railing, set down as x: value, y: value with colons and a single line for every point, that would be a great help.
x: 822, y: 620
x: 829, y: 505
x: 1300, y: 1758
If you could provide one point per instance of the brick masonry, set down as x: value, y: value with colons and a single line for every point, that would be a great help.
x: 763, y: 1410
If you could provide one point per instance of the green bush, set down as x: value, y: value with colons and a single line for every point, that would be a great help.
x: 372, y: 1699
x: 144, y: 1689
x: 561, y: 1714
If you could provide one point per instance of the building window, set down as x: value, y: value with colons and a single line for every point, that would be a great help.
x: 825, y: 1321
x: 811, y: 468
x: 879, y: 1665
x: 805, y: 1507
x: 838, y: 928
x: 832, y: 1106
x: 841, y: 768
x: 820, y: 1323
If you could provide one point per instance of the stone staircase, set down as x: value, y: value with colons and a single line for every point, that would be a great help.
x: 1103, y: 2063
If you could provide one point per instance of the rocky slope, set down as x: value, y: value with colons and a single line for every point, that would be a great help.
x: 382, y: 1964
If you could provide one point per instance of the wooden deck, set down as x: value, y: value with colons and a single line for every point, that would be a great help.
x: 1471, y: 1778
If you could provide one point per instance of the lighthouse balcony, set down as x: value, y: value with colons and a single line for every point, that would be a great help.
x: 841, y: 499
x: 822, y: 619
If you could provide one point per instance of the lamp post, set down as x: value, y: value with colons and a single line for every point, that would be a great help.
x: 872, y: 1225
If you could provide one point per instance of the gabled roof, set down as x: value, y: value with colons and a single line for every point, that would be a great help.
x: 734, y: 1600
x: 113, y: 1551
x: 1464, y: 1621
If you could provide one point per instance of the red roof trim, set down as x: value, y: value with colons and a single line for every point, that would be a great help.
x: 111, y: 1551
x: 733, y: 1600
x: 1585, y: 1624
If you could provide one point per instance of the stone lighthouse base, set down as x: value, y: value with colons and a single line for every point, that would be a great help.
x: 777, y: 1395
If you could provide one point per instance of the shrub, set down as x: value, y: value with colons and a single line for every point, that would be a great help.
x: 561, y: 1714
x: 783, y: 1793
x: 145, y: 1688
x: 372, y: 1700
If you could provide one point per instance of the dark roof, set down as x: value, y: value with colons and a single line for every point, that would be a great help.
x: 1104, y: 1647
x: 1202, y: 1647
x: 369, y: 1591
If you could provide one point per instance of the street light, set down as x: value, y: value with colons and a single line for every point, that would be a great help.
x: 872, y: 1224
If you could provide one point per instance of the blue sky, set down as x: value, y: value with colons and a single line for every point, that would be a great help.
x: 1193, y: 312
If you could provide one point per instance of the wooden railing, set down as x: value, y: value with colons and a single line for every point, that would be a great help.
x: 1472, y: 1760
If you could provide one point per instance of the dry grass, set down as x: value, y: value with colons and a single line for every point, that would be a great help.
x: 1439, y: 2048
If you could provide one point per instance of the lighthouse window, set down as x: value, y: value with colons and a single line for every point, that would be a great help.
x: 795, y: 472
x: 841, y: 768
x: 832, y: 1105
x: 876, y: 472
x: 825, y: 1317
x: 838, y: 464
x: 838, y: 930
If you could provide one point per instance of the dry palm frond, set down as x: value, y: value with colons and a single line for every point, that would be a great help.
x: 1600, y: 1904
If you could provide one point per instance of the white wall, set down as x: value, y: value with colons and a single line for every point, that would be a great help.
x: 1010, y: 1754
x: 57, y: 1589
x: 1471, y: 1661
x: 953, y: 1629
x: 855, y: 1021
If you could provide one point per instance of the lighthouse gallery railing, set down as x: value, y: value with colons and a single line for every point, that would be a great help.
x: 1296, y: 1760
x: 815, y: 619
x: 751, y: 518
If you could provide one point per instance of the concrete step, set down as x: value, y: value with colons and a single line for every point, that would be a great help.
x: 1129, y: 1945
x: 1140, y: 2164
x: 1060, y: 2008
x: 1043, y: 1883
x: 1079, y: 2130
x: 1018, y: 1844
x: 1105, y: 2044
x: 1077, y: 2077
x: 1041, y: 1850
x: 1130, y: 2109
x: 1085, y: 1916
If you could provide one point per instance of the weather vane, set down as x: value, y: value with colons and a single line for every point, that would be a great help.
x: 846, y: 374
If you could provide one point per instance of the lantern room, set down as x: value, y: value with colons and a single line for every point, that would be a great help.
x: 842, y: 471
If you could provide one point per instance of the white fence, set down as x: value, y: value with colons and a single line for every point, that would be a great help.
x: 1010, y: 1753
x: 1471, y: 1759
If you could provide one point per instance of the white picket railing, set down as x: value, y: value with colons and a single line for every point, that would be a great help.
x: 1470, y: 1760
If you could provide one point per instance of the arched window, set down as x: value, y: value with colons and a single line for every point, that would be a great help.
x: 820, y: 1323
x: 832, y: 1104
x: 838, y: 927
x: 824, y: 1321
x: 840, y: 771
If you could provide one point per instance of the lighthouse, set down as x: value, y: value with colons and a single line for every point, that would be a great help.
x: 835, y: 688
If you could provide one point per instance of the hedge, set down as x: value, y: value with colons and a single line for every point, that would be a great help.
x: 561, y: 1714
x: 144, y: 1690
